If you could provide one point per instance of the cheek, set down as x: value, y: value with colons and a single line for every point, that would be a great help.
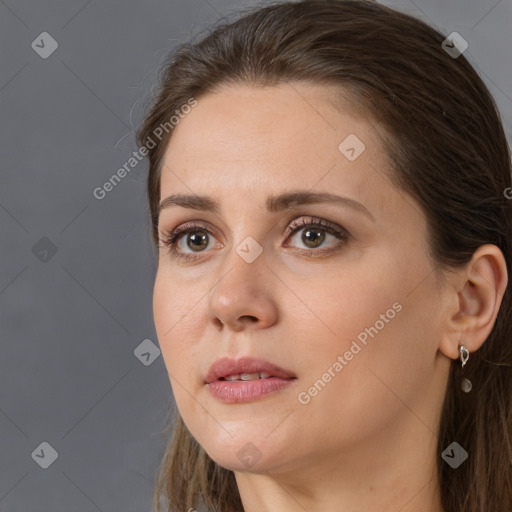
x: 345, y: 309
x: 176, y: 318
x: 371, y: 389
x: 370, y: 319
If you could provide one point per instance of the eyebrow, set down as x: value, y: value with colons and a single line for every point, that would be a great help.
x: 273, y: 203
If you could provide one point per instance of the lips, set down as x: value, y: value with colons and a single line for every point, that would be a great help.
x: 225, y: 368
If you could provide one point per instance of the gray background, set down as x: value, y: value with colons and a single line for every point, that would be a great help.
x: 71, y: 321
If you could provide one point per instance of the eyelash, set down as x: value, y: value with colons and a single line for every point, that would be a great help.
x: 170, y: 239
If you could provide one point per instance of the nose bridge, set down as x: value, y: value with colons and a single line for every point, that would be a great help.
x: 246, y: 252
x: 243, y: 289
x: 244, y: 268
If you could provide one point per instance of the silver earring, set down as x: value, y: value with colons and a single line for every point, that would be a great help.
x: 464, y: 356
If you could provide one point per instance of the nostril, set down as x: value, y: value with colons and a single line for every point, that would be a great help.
x: 250, y: 317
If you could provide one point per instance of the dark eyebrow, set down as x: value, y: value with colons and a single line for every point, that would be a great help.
x: 273, y: 203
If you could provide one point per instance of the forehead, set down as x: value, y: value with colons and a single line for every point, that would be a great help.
x: 247, y: 137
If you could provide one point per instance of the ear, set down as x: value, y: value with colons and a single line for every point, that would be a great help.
x: 474, y: 301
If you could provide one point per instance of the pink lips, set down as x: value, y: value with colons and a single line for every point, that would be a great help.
x: 245, y: 391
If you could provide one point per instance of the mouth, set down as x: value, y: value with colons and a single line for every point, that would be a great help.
x: 245, y: 369
x: 246, y: 379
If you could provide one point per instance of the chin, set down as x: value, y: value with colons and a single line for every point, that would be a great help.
x: 247, y: 459
x: 248, y: 453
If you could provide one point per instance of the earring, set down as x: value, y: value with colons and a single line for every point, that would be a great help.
x: 464, y: 356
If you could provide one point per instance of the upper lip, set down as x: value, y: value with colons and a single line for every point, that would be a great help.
x: 225, y: 366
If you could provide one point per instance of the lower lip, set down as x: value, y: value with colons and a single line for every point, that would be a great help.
x: 246, y: 391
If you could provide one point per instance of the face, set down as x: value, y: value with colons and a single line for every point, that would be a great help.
x: 340, y: 294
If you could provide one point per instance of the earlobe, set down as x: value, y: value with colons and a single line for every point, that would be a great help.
x: 479, y: 289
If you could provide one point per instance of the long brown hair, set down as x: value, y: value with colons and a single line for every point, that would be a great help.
x: 445, y: 139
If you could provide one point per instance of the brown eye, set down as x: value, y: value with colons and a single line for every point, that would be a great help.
x: 313, y: 237
x: 195, y: 241
x: 314, y: 233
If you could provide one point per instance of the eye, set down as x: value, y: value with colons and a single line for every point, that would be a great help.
x: 314, y: 234
x: 198, y: 236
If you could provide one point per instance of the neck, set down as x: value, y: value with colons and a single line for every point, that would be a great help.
x: 400, y: 475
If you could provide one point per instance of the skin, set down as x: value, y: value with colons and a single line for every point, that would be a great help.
x: 367, y: 440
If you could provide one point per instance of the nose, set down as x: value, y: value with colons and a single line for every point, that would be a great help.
x: 243, y: 296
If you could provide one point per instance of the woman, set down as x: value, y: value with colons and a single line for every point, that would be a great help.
x: 328, y: 192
